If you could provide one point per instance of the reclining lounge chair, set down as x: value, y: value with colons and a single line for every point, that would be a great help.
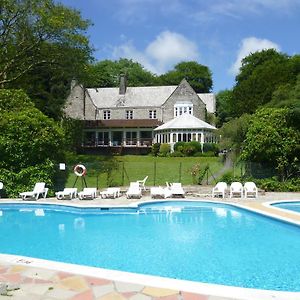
x: 134, y: 190
x: 38, y: 190
x: 88, y: 194
x: 67, y: 193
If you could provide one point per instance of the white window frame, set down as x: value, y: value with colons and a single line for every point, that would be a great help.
x: 152, y: 114
x: 183, y: 108
x: 106, y: 114
x: 129, y: 114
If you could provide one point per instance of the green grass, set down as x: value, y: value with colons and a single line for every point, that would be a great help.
x: 135, y: 167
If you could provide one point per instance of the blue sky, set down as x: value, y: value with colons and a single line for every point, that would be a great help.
x: 219, y: 33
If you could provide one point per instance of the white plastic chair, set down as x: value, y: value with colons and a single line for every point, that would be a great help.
x: 250, y: 188
x: 88, y: 193
x: 67, y: 193
x: 220, y: 189
x: 134, y: 190
x: 236, y: 189
x: 38, y: 190
x: 142, y: 183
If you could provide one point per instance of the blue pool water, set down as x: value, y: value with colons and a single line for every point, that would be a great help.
x: 196, y: 241
x: 294, y: 206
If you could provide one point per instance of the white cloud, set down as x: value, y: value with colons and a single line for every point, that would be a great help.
x: 251, y: 45
x: 162, y: 54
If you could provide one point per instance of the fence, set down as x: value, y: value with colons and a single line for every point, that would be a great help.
x: 107, y: 174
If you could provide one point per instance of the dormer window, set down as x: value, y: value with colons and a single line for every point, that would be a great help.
x: 152, y: 114
x: 106, y: 115
x: 129, y: 114
x: 183, y: 108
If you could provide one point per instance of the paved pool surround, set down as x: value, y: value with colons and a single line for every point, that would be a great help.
x: 30, y: 278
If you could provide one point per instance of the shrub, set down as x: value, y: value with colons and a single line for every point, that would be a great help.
x: 211, y: 147
x: 164, y: 150
x: 155, y: 149
x: 179, y: 146
x: 274, y: 185
x: 177, y: 154
x: 190, y: 148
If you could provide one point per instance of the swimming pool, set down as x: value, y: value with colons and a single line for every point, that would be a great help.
x: 294, y: 206
x: 197, y: 241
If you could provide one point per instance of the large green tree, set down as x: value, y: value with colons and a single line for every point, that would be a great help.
x: 198, y: 76
x: 273, y: 139
x: 260, y: 75
x: 106, y: 73
x: 31, y: 144
x: 42, y: 47
x: 223, y: 106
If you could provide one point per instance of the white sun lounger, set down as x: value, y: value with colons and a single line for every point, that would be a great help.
x: 88, y: 193
x: 250, y: 189
x: 112, y: 192
x: 176, y: 189
x: 134, y: 190
x: 236, y: 189
x: 220, y: 189
x: 160, y: 192
x: 38, y: 190
x: 67, y: 193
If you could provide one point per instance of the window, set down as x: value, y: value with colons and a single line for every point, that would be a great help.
x: 129, y: 114
x: 152, y: 114
x: 183, y: 108
x: 106, y: 115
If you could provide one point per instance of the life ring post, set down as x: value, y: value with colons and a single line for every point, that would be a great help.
x: 80, y: 172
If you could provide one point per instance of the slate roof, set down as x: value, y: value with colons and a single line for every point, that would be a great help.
x: 185, y: 121
x: 134, y: 96
x: 209, y: 100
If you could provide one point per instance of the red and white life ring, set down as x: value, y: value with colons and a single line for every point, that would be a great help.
x: 80, y: 170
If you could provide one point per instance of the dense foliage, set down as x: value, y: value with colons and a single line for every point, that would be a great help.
x: 42, y: 47
x: 198, y: 76
x: 260, y: 75
x: 31, y: 144
x: 106, y: 74
x: 271, y: 139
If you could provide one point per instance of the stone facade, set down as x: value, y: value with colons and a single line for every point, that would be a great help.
x: 128, y: 115
x: 184, y: 94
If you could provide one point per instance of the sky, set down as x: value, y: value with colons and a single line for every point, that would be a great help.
x: 219, y: 33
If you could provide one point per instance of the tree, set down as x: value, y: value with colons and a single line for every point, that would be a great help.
x: 233, y: 133
x: 260, y: 75
x: 106, y: 73
x: 28, y: 27
x: 198, y: 76
x: 223, y: 106
x: 31, y: 144
x: 272, y: 139
x: 42, y: 47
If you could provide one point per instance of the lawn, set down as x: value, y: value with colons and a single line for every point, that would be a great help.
x: 134, y: 167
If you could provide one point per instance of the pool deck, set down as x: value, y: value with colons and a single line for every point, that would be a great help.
x: 33, y: 279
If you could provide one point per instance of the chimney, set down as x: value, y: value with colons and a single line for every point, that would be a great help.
x: 123, y: 84
x: 73, y: 83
